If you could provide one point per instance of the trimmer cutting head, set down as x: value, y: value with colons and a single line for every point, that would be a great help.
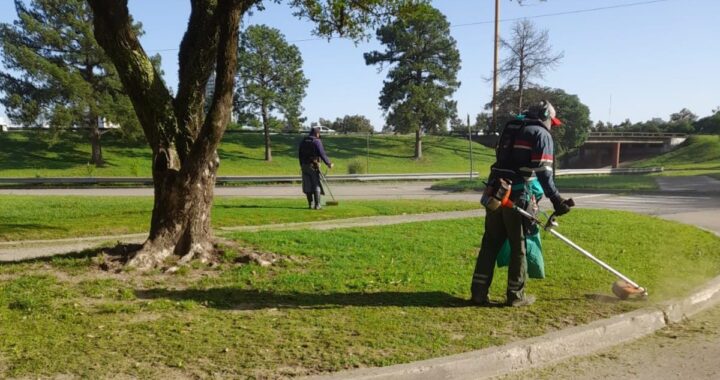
x: 624, y: 290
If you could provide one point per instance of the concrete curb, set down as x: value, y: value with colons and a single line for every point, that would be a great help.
x: 547, y: 349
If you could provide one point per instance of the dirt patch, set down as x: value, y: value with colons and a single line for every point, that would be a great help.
x: 115, y: 259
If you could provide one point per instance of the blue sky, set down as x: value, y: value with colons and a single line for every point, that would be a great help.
x: 638, y: 62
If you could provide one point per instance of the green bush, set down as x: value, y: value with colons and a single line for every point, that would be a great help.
x: 357, y: 166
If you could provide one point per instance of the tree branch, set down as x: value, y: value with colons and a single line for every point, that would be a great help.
x: 229, y: 13
x: 197, y: 52
x: 143, y: 84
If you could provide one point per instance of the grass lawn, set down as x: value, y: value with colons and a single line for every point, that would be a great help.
x: 32, y: 217
x: 346, y: 298
x: 625, y: 182
x: 698, y: 155
x: 38, y: 155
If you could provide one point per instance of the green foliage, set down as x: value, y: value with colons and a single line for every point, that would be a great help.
x: 352, y: 124
x: 709, y: 124
x: 424, y: 63
x: 574, y: 114
x: 357, y: 166
x: 270, y: 76
x: 56, y: 72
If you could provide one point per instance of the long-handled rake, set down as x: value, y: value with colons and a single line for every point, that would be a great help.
x: 333, y: 202
x: 623, y: 288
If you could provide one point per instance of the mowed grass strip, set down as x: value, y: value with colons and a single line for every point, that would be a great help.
x: 53, y: 217
x: 40, y: 155
x: 625, y: 182
x: 698, y: 155
x: 347, y: 298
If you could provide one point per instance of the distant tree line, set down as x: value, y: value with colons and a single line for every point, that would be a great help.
x: 683, y: 121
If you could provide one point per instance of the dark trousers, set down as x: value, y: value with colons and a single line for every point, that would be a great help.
x: 501, y: 224
x: 311, y: 185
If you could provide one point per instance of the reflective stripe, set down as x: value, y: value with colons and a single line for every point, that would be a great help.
x: 522, y: 147
x: 538, y: 169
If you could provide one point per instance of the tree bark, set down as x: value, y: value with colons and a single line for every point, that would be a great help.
x: 418, y: 144
x: 266, y: 128
x: 183, y: 140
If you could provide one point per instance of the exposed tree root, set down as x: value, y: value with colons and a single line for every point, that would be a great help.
x: 144, y: 257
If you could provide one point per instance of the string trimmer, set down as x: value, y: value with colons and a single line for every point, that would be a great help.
x: 623, y: 288
x: 333, y: 202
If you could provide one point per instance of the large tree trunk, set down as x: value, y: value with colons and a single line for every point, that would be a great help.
x: 180, y: 224
x: 266, y: 128
x: 96, y: 157
x: 418, y: 143
x: 184, y: 141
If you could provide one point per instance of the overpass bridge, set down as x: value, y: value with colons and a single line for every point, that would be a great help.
x: 610, y: 148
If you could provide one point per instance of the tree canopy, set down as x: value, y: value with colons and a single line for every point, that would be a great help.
x: 352, y: 124
x: 424, y: 62
x: 270, y: 77
x: 58, y: 76
x: 570, y: 110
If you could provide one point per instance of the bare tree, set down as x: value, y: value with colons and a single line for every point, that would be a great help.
x: 530, y: 56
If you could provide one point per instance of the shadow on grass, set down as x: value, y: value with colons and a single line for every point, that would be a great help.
x: 14, y: 228
x: 243, y: 299
x: 259, y: 207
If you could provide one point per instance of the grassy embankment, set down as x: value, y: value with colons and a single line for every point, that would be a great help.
x: 38, y: 155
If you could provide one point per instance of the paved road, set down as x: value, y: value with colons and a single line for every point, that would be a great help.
x: 686, y: 351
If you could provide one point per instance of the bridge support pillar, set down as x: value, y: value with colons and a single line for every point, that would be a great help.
x: 616, y: 155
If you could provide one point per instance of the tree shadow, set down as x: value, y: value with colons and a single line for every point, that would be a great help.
x: 23, y: 227
x: 258, y: 207
x: 228, y: 298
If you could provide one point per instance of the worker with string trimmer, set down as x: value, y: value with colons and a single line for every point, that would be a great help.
x: 524, y: 151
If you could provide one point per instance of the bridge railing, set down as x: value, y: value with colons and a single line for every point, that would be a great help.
x: 636, y: 134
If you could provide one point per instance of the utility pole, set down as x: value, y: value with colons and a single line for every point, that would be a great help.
x: 367, y: 157
x: 470, y: 145
x: 495, y: 66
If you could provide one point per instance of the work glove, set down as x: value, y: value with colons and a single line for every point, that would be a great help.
x: 561, y: 205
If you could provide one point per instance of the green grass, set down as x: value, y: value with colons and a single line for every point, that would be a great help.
x: 625, y: 182
x: 32, y: 217
x: 38, y: 155
x: 698, y: 155
x: 348, y: 298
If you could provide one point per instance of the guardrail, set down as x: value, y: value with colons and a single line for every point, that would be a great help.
x: 232, y: 179
x: 564, y: 172
x: 57, y: 181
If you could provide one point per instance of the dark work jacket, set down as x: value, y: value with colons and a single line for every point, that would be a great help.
x: 311, y: 150
x: 524, y: 151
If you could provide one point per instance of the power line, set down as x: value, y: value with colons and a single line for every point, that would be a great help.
x: 588, y: 10
x: 563, y: 13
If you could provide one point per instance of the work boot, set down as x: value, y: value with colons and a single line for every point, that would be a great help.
x: 318, y: 204
x: 525, y: 301
x: 480, y: 301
